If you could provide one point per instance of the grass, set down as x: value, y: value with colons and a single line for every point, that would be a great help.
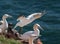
x: 4, y: 40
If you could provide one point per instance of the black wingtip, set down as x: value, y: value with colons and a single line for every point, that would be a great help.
x: 44, y: 12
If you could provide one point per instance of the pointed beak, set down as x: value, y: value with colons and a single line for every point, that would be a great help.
x: 17, y: 20
x: 41, y: 28
x: 9, y: 16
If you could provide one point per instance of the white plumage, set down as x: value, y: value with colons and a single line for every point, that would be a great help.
x: 33, y: 34
x: 23, y: 21
x: 4, y: 23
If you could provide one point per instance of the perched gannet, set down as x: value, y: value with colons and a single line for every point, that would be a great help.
x: 23, y: 21
x: 4, y: 23
x: 32, y: 34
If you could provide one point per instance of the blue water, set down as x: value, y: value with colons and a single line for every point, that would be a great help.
x: 50, y: 21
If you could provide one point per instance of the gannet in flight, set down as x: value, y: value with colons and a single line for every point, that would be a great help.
x: 23, y: 21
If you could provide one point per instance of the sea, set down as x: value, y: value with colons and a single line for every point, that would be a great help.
x: 50, y: 22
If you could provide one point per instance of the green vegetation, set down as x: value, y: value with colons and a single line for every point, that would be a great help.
x: 4, y: 40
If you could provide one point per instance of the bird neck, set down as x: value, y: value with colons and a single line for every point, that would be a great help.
x: 5, y: 23
x: 37, y: 32
x: 4, y: 19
